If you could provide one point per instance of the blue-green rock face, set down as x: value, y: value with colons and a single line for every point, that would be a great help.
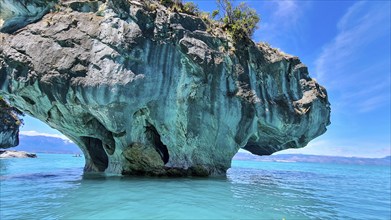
x: 155, y: 93
x: 9, y: 126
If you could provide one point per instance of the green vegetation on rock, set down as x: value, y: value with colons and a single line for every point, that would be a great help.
x: 240, y: 21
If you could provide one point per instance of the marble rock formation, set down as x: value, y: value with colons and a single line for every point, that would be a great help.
x: 145, y: 90
x: 9, y: 126
x: 16, y: 154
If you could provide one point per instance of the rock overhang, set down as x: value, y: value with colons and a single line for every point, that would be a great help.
x: 154, y: 93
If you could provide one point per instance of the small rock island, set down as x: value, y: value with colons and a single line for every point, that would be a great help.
x: 16, y: 154
x: 146, y: 90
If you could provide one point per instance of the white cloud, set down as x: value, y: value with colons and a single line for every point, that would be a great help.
x: 284, y: 26
x: 350, y: 15
x: 353, y: 36
x: 343, y: 147
x: 287, y: 9
x: 372, y: 103
x: 36, y: 133
x: 344, y: 64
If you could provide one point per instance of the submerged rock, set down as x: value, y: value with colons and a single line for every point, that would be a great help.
x: 16, y: 154
x: 152, y: 92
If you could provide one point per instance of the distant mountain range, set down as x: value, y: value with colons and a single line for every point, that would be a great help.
x: 45, y: 144
x: 314, y: 159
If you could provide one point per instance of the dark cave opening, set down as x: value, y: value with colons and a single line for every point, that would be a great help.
x: 28, y: 100
x: 108, y: 142
x: 256, y: 148
x: 98, y: 155
x: 154, y: 136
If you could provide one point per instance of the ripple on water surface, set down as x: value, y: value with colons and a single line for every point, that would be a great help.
x: 53, y: 187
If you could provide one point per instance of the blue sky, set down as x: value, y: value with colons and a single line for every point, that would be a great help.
x: 346, y: 46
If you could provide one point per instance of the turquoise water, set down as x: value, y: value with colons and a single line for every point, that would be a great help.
x: 53, y: 187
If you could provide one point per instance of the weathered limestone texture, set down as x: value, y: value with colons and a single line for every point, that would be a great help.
x: 152, y: 92
x: 9, y: 126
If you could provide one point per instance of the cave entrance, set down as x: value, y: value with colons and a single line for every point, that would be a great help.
x: 154, y: 136
x: 97, y: 153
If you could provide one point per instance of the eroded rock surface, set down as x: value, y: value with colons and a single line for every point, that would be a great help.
x: 9, y: 126
x: 152, y: 92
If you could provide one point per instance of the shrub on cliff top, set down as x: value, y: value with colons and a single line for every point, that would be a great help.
x: 240, y: 21
x: 190, y: 7
x: 177, y: 5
